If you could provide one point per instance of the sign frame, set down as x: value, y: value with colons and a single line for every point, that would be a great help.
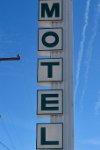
x: 56, y: 81
x: 48, y: 114
x: 49, y: 20
x: 37, y: 135
x: 54, y: 49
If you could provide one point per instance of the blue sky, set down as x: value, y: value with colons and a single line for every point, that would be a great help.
x: 18, y: 85
x: 86, y: 73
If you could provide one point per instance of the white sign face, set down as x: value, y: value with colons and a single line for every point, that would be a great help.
x: 50, y: 10
x: 49, y: 136
x: 50, y: 70
x: 50, y: 39
x: 49, y: 102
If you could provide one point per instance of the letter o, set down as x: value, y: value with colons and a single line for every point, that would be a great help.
x: 53, y: 44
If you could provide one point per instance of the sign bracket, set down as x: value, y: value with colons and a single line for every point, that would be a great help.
x: 10, y: 58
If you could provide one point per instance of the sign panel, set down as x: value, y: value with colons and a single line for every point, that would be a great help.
x: 49, y: 102
x: 50, y: 70
x: 49, y: 136
x: 50, y: 10
x: 50, y: 39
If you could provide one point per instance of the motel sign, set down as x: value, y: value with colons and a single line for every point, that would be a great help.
x: 55, y: 70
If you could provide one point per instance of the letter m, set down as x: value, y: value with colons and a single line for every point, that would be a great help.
x: 50, y: 10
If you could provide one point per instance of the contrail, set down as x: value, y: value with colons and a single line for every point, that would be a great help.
x: 97, y: 106
x: 90, y: 50
x: 1, y: 143
x: 80, y: 55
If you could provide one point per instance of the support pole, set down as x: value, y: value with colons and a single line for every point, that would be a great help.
x: 68, y: 77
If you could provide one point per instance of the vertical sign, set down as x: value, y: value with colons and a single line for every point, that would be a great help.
x: 58, y: 72
x: 50, y: 102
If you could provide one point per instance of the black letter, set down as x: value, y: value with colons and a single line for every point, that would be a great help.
x: 43, y: 138
x: 50, y: 34
x: 45, y: 8
x: 49, y: 65
x: 44, y: 102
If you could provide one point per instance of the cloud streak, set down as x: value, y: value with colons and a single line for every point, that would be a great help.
x: 80, y: 55
x: 6, y: 147
x: 97, y: 106
x: 90, y: 51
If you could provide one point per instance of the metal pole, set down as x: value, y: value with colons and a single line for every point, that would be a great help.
x: 68, y: 77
